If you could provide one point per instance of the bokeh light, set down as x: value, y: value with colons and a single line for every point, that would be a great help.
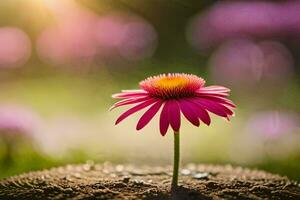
x: 227, y: 20
x: 273, y: 124
x: 127, y: 36
x: 15, y: 47
x: 244, y: 63
x: 68, y: 42
x: 267, y: 134
x: 17, y: 128
x: 81, y: 36
x: 17, y: 120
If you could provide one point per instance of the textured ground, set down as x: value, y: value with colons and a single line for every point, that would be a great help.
x: 107, y: 181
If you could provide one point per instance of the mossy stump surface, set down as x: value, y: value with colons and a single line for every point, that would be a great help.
x: 108, y: 181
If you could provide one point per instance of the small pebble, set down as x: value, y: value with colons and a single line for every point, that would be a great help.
x: 185, y: 172
x: 138, y: 182
x: 119, y: 168
x: 201, y: 175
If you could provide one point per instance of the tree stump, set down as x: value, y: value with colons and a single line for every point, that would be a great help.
x: 108, y: 181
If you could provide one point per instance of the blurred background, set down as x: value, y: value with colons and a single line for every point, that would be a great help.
x: 61, y: 60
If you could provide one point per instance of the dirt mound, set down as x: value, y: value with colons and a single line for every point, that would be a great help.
x: 108, y: 181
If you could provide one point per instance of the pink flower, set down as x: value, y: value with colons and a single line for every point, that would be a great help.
x: 176, y: 94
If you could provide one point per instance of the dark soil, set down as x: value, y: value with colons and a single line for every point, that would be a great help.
x: 107, y: 181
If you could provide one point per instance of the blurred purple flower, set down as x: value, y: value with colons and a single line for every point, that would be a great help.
x: 15, y: 47
x: 16, y: 120
x: 273, y: 124
x: 267, y: 134
x: 83, y: 37
x: 245, y: 63
x: 130, y: 37
x: 227, y: 20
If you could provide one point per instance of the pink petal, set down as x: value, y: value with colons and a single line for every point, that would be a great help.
x: 212, y: 93
x: 219, y: 99
x: 224, y: 107
x: 148, y: 115
x: 135, y: 109
x: 133, y: 91
x: 129, y: 101
x: 174, y: 114
x: 130, y: 94
x: 214, y: 107
x: 216, y: 88
x: 203, y: 115
x: 189, y: 112
x: 201, y: 112
x: 164, y: 119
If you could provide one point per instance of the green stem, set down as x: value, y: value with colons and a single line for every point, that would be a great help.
x: 176, y: 160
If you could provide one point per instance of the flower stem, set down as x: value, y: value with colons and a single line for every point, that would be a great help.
x: 176, y: 160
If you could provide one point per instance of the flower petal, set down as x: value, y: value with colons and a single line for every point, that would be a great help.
x: 201, y: 112
x: 174, y: 114
x: 215, y: 107
x: 131, y: 91
x: 216, y: 88
x: 148, y: 115
x: 130, y: 94
x: 129, y: 101
x: 135, y: 109
x: 189, y: 112
x: 213, y: 93
x: 164, y: 119
x: 224, y: 107
x: 219, y: 99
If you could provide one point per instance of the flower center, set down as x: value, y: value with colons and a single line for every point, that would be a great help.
x: 172, y: 85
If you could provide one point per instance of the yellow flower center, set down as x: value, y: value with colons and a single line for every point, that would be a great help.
x: 171, y: 82
x: 172, y: 85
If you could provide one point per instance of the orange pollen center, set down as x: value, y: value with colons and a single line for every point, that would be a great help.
x: 172, y: 85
